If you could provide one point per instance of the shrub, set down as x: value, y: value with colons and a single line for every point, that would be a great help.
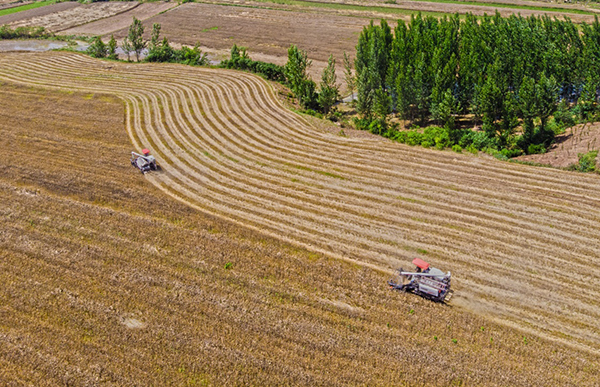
x: 587, y: 162
x: 479, y: 140
x: 378, y: 126
x: 241, y: 61
x: 23, y: 32
x: 536, y: 149
x: 400, y: 136
x: 457, y: 148
x: 192, y: 56
x: 161, y: 52
x: 362, y: 123
x: 510, y: 153
x: 97, y: 49
x: 471, y: 148
x: 414, y: 138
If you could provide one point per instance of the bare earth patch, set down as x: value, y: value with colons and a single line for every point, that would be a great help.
x: 576, y: 140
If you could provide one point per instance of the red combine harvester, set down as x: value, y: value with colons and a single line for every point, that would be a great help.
x: 425, y: 281
x: 145, y: 162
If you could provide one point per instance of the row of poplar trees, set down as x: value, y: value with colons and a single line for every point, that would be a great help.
x: 508, y: 72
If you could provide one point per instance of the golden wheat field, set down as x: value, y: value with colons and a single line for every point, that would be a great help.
x: 114, y: 278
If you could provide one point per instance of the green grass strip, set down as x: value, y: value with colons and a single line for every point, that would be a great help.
x: 352, y: 7
x: 514, y: 6
x: 401, y: 11
x: 37, y: 4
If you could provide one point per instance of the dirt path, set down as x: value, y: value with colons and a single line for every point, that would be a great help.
x: 521, y: 242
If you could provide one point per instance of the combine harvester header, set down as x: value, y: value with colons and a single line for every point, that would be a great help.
x: 425, y: 281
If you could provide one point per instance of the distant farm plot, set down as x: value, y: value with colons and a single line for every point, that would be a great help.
x: 507, y: 232
x: 107, y: 278
x: 267, y: 33
x: 269, y: 28
x: 264, y: 31
x: 63, y: 19
x: 121, y: 21
x: 403, y: 9
x: 7, y: 8
x: 37, y: 12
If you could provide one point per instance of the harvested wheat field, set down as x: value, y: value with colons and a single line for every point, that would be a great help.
x: 115, y: 278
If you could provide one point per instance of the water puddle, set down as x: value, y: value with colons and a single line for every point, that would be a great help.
x: 37, y: 45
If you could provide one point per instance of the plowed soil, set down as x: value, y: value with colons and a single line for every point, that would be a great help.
x: 121, y: 21
x: 264, y: 31
x: 521, y: 241
x: 110, y: 278
x: 267, y: 33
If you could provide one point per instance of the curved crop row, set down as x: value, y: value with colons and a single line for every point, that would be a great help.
x: 521, y: 241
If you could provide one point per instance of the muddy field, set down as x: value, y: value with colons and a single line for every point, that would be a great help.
x: 128, y: 280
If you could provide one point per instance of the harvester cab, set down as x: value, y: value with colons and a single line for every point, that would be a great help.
x: 425, y: 281
x: 144, y: 162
